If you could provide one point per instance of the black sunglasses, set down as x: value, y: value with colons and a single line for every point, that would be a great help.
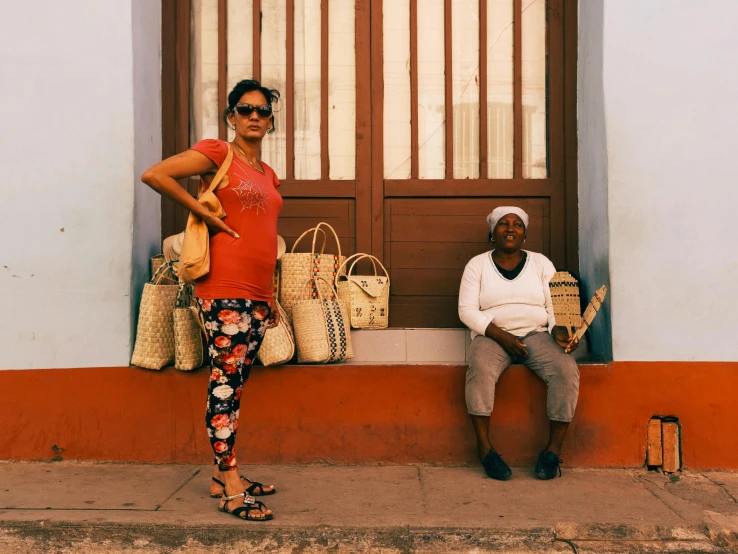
x: 247, y: 109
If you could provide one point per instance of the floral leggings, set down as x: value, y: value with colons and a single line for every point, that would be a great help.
x: 235, y: 331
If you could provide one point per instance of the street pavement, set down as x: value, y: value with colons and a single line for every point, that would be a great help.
x: 79, y: 507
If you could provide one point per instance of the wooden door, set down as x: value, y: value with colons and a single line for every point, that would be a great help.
x: 380, y: 129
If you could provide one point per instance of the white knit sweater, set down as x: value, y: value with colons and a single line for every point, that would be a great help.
x: 519, y: 307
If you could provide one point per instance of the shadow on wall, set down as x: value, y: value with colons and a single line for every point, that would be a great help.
x: 594, y: 235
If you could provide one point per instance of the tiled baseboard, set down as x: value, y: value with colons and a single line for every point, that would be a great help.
x: 414, y: 346
x: 410, y: 346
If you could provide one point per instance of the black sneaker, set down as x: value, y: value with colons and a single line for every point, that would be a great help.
x: 548, y: 465
x: 496, y: 467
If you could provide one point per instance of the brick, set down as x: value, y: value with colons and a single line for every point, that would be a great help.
x: 671, y: 446
x: 654, y: 451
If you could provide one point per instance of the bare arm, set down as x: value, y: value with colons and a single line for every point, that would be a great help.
x: 163, y: 176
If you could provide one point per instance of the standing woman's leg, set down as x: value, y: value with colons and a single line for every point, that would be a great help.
x: 235, y: 331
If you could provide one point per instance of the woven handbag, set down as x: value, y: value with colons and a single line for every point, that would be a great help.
x: 296, y: 267
x: 188, y: 349
x: 322, y: 331
x: 154, y: 347
x: 194, y: 259
x: 278, y: 346
x: 366, y: 296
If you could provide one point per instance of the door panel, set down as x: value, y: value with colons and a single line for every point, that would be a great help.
x: 493, y: 118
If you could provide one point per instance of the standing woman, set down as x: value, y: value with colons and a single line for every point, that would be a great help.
x: 236, y: 295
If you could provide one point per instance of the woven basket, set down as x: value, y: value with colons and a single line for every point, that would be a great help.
x: 154, y: 347
x: 366, y: 296
x: 296, y: 267
x: 188, y: 349
x: 322, y: 331
x: 278, y: 346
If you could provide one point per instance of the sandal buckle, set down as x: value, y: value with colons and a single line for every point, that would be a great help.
x: 248, y: 499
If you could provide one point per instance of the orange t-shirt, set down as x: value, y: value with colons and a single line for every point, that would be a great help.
x: 242, y: 268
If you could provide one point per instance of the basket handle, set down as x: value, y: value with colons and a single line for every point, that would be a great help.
x: 216, y: 183
x: 284, y: 319
x: 184, y: 295
x: 347, y: 260
x: 305, y: 233
x: 315, y: 280
x: 324, y: 224
x: 373, y: 259
x: 163, y: 268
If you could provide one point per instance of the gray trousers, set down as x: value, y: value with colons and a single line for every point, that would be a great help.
x: 487, y: 361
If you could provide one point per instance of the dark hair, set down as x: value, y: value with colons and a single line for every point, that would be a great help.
x: 248, y: 85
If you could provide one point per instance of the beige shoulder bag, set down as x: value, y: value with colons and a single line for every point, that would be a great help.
x: 194, y: 261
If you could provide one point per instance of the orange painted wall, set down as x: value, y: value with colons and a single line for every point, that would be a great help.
x: 359, y: 414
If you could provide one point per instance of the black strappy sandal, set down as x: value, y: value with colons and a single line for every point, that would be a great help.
x: 250, y: 505
x: 252, y: 490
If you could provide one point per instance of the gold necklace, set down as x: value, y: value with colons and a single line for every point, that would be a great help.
x: 247, y: 158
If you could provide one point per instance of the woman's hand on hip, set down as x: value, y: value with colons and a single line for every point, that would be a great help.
x: 562, y: 338
x: 163, y: 178
x: 217, y: 225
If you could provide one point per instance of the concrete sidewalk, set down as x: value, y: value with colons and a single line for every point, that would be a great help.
x: 84, y: 507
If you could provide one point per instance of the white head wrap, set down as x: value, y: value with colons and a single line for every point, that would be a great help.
x: 502, y: 211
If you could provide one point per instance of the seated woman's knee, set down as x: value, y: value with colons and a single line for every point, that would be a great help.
x: 567, y: 371
x: 485, y: 371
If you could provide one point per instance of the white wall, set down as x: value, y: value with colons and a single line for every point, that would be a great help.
x: 671, y: 116
x: 67, y: 153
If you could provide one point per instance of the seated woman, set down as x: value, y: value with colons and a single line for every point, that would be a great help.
x: 505, y: 300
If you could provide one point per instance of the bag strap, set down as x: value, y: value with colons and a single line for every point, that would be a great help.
x: 373, y: 259
x: 222, y: 170
x: 184, y: 295
x: 315, y: 280
x: 324, y: 224
x: 305, y: 233
x: 347, y: 260
x: 280, y: 309
x: 163, y: 268
x: 199, y: 319
x: 284, y: 320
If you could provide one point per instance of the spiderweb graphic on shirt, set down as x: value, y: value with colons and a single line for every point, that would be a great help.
x: 249, y: 194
